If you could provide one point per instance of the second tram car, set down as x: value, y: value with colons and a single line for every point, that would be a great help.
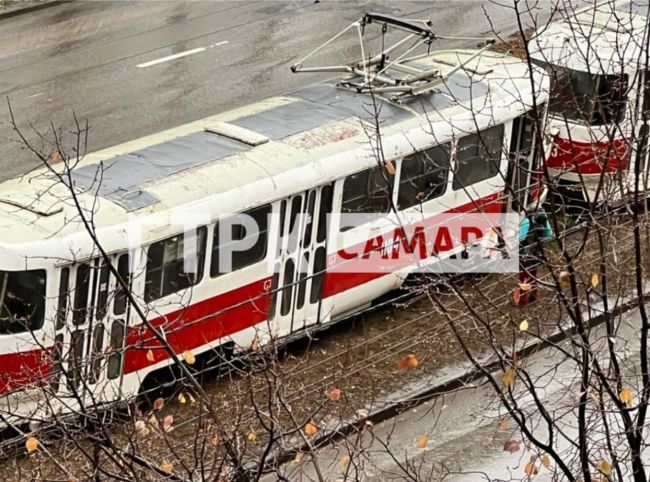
x: 68, y: 328
x: 599, y: 91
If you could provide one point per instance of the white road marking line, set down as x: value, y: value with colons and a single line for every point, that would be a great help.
x: 179, y: 55
x: 35, y: 95
x: 171, y: 57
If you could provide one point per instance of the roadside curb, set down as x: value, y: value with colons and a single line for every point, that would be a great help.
x: 454, y: 382
x: 32, y: 7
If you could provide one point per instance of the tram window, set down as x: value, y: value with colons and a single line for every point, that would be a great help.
x: 116, y: 349
x: 102, y: 296
x: 324, y: 210
x: 478, y: 157
x: 62, y: 307
x: 319, y: 275
x: 97, y: 353
x: 230, y: 249
x: 22, y: 300
x: 424, y: 176
x: 119, y: 304
x: 166, y: 266
x: 368, y: 191
x: 585, y: 97
x: 289, y: 271
x: 82, y: 287
x: 75, y: 359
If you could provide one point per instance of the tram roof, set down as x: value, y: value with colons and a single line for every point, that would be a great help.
x: 606, y: 39
x: 251, y: 155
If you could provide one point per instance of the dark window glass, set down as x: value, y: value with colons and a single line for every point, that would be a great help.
x: 120, y: 302
x: 478, y: 157
x: 165, y: 266
x: 62, y: 308
x: 309, y: 221
x: 424, y: 176
x: 324, y: 210
x: 247, y: 257
x: 116, y: 349
x: 102, y: 295
x: 22, y: 300
x: 367, y: 191
x: 588, y: 98
x: 319, y: 275
x: 289, y: 270
x: 97, y: 353
x: 302, y: 285
x: 82, y: 287
x: 75, y: 359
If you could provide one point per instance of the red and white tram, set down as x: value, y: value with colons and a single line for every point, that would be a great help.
x: 599, y: 91
x: 66, y: 325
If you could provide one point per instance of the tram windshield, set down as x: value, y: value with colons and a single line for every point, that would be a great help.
x: 588, y: 98
x: 22, y: 301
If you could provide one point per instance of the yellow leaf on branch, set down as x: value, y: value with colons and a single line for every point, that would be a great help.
x: 546, y: 461
x: 605, y: 466
x: 508, y: 377
x: 626, y: 396
x: 523, y: 326
x: 150, y: 356
x: 422, y: 441
x: 595, y: 279
x: 31, y: 444
x: 189, y: 357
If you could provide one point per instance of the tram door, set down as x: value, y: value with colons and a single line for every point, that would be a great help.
x: 300, y: 261
x: 521, y: 162
x: 90, y: 330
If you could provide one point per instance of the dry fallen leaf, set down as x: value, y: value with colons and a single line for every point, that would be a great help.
x: 422, y: 441
x: 31, y: 444
x: 310, y: 429
x: 408, y: 362
x: 511, y: 446
x: 181, y: 399
x: 626, y: 396
x: 150, y: 356
x: 158, y: 403
x: 516, y: 296
x: 252, y: 437
x: 335, y: 394
x: 523, y: 326
x: 167, y: 467
x: 508, y: 377
x: 503, y: 424
x: 141, y: 428
x: 189, y: 357
x: 167, y: 423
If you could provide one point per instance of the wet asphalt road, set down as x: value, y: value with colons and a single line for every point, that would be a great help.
x: 84, y: 57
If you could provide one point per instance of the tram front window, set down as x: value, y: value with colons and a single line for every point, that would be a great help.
x: 589, y: 98
x: 22, y: 300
